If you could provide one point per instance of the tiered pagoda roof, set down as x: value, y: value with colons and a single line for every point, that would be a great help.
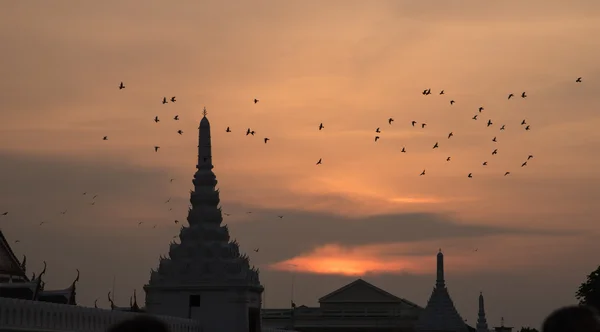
x: 440, y: 315
x: 205, y: 255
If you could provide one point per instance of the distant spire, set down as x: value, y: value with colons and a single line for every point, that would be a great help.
x: 440, y: 282
x: 204, y: 112
x: 482, y: 325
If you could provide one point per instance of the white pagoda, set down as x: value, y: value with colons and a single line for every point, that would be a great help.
x: 440, y: 315
x: 205, y: 277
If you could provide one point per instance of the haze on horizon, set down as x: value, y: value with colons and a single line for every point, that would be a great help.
x: 351, y: 65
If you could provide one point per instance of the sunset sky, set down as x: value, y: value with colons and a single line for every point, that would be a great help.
x: 351, y: 65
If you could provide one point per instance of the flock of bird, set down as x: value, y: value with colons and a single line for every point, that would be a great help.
x: 524, y: 124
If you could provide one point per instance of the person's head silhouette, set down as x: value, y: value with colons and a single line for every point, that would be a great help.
x: 141, y: 323
x: 572, y: 319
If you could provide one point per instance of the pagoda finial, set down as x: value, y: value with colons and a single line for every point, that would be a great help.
x: 204, y: 112
x: 440, y: 282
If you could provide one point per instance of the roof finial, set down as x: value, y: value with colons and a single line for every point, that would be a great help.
x: 204, y: 111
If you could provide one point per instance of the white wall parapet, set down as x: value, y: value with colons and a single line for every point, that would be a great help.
x: 37, y: 316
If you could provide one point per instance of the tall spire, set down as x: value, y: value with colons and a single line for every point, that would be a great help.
x: 481, y: 320
x: 204, y: 148
x: 440, y: 282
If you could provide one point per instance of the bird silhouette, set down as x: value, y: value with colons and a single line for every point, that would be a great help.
x: 17, y: 241
x: 436, y: 145
x: 321, y: 126
x: 164, y: 100
x: 248, y: 132
x: 266, y: 140
x: 494, y: 139
x: 252, y: 132
x: 139, y: 223
x: 523, y: 95
x: 176, y: 221
x: 156, y: 148
x: 168, y: 200
x: 502, y: 128
x: 176, y: 118
x: 527, y: 127
x: 495, y: 152
x: 377, y: 130
x: 320, y: 161
x: 180, y: 132
x: 475, y: 117
x: 280, y: 217
x: 448, y: 159
x: 451, y: 102
x: 578, y: 80
x: 529, y: 157
x: 256, y: 100
x: 5, y: 213
x: 413, y: 123
x: 489, y: 123
x: 523, y: 122
x: 422, y: 173
x: 390, y: 120
x: 480, y: 109
x: 524, y: 164
x: 227, y: 130
x: 450, y: 135
x: 256, y: 250
x: 121, y: 86
x: 173, y: 99
x: 171, y: 180
x: 470, y: 175
x: 156, y: 119
x: 403, y: 150
x: 423, y: 125
x: 510, y: 96
x: 507, y: 173
x: 484, y: 163
x: 442, y: 92
x: 105, y: 138
x: 376, y: 138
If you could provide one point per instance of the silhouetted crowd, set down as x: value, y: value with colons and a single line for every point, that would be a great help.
x: 567, y: 319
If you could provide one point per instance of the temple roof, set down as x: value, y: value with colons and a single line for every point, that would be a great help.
x: 9, y: 264
x: 362, y: 291
x: 440, y: 313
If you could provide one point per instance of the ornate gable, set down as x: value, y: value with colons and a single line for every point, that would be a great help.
x: 362, y: 292
x: 9, y: 264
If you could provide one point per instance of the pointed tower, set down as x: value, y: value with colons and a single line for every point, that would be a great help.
x: 205, y: 277
x: 481, y: 320
x: 440, y: 315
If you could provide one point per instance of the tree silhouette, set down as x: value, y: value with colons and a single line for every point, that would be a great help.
x: 589, y: 291
x: 528, y: 329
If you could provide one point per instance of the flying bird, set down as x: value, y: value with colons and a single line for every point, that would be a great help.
x: 164, y: 100
x: 484, y: 163
x: 176, y: 118
x: 377, y: 130
x: 171, y: 180
x: 105, y: 138
x: 436, y: 145
x: 448, y: 159
x: 470, y: 175
x: 502, y: 128
x: 450, y: 135
x: 422, y: 173
x: 156, y: 148
x: 510, y: 96
x: 524, y: 164
x: 523, y: 95
x: 256, y: 250
x: 442, y: 92
x: 527, y: 127
x: 139, y: 223
x: 529, y: 157
x: 423, y: 125
x: 451, y: 102
x: 156, y: 119
x: 180, y: 132
x: 176, y: 221
x: 578, y: 80
x: 376, y: 138
x: 122, y: 86
x: 507, y: 173
x: 413, y: 123
x: 168, y: 200
x: 403, y: 150
x: 227, y: 130
x: 494, y: 139
x: 319, y: 162
x: 256, y: 100
x: 495, y: 152
x: 475, y: 117
x: 480, y: 109
x: 173, y: 99
x: 5, y: 213
x: 247, y: 131
x: 321, y: 126
x: 280, y: 217
x: 390, y: 120
x: 489, y: 123
x: 266, y: 140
